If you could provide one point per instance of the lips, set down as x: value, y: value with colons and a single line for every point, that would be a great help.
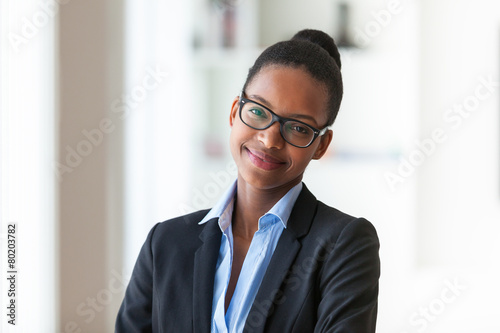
x: 264, y: 161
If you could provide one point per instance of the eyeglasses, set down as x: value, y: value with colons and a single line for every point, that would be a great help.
x: 295, y: 132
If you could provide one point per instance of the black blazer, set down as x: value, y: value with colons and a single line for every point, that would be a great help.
x: 323, y: 276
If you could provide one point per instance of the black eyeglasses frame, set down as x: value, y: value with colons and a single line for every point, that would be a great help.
x: 280, y: 120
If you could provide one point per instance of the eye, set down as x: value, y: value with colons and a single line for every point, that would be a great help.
x: 299, y: 129
x: 257, y: 113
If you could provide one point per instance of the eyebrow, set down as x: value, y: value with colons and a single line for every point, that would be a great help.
x: 295, y: 115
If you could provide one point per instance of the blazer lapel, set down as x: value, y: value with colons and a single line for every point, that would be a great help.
x: 205, y: 261
x: 286, y: 250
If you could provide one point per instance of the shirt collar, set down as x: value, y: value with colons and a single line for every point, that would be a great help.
x: 221, y: 205
x: 282, y: 209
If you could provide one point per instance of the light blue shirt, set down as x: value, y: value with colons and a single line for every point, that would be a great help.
x: 259, y: 254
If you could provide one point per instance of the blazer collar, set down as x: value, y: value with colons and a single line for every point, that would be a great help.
x: 302, y: 213
x: 284, y: 255
x: 205, y: 261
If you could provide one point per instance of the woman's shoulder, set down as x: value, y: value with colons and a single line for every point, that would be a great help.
x: 179, y: 228
x: 319, y: 221
x: 333, y: 221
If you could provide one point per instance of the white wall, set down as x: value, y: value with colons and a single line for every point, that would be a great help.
x: 27, y: 179
x: 459, y: 184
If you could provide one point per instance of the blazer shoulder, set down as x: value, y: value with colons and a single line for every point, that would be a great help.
x: 338, y: 222
x: 179, y: 228
x: 312, y: 218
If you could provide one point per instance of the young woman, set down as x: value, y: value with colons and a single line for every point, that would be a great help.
x: 268, y: 257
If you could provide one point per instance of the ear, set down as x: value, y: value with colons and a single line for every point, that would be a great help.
x: 234, y: 111
x: 324, y: 143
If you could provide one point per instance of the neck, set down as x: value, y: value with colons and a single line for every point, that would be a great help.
x: 251, y: 203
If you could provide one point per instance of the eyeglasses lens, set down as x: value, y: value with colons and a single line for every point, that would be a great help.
x: 294, y: 132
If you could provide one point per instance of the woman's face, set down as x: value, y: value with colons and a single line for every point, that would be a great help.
x: 264, y: 159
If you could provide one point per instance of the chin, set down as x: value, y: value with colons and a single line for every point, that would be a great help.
x: 258, y: 180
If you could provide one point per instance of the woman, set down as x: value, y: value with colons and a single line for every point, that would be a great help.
x: 268, y: 257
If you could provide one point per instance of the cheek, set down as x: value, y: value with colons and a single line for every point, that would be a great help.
x: 238, y: 135
x: 232, y: 142
x: 241, y: 132
x: 301, y: 157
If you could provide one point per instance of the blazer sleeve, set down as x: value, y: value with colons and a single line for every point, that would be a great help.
x: 349, y: 281
x: 135, y: 314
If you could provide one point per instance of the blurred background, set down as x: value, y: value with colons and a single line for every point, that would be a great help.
x: 114, y: 116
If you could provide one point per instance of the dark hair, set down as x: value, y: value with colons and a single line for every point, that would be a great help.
x: 316, y: 52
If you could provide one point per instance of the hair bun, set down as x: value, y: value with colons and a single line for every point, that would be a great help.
x: 321, y: 39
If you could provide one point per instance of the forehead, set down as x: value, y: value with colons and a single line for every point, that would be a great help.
x: 290, y: 91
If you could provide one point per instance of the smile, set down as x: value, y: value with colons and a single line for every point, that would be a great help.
x: 264, y: 161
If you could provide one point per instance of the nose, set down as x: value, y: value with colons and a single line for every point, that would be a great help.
x: 271, y: 137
